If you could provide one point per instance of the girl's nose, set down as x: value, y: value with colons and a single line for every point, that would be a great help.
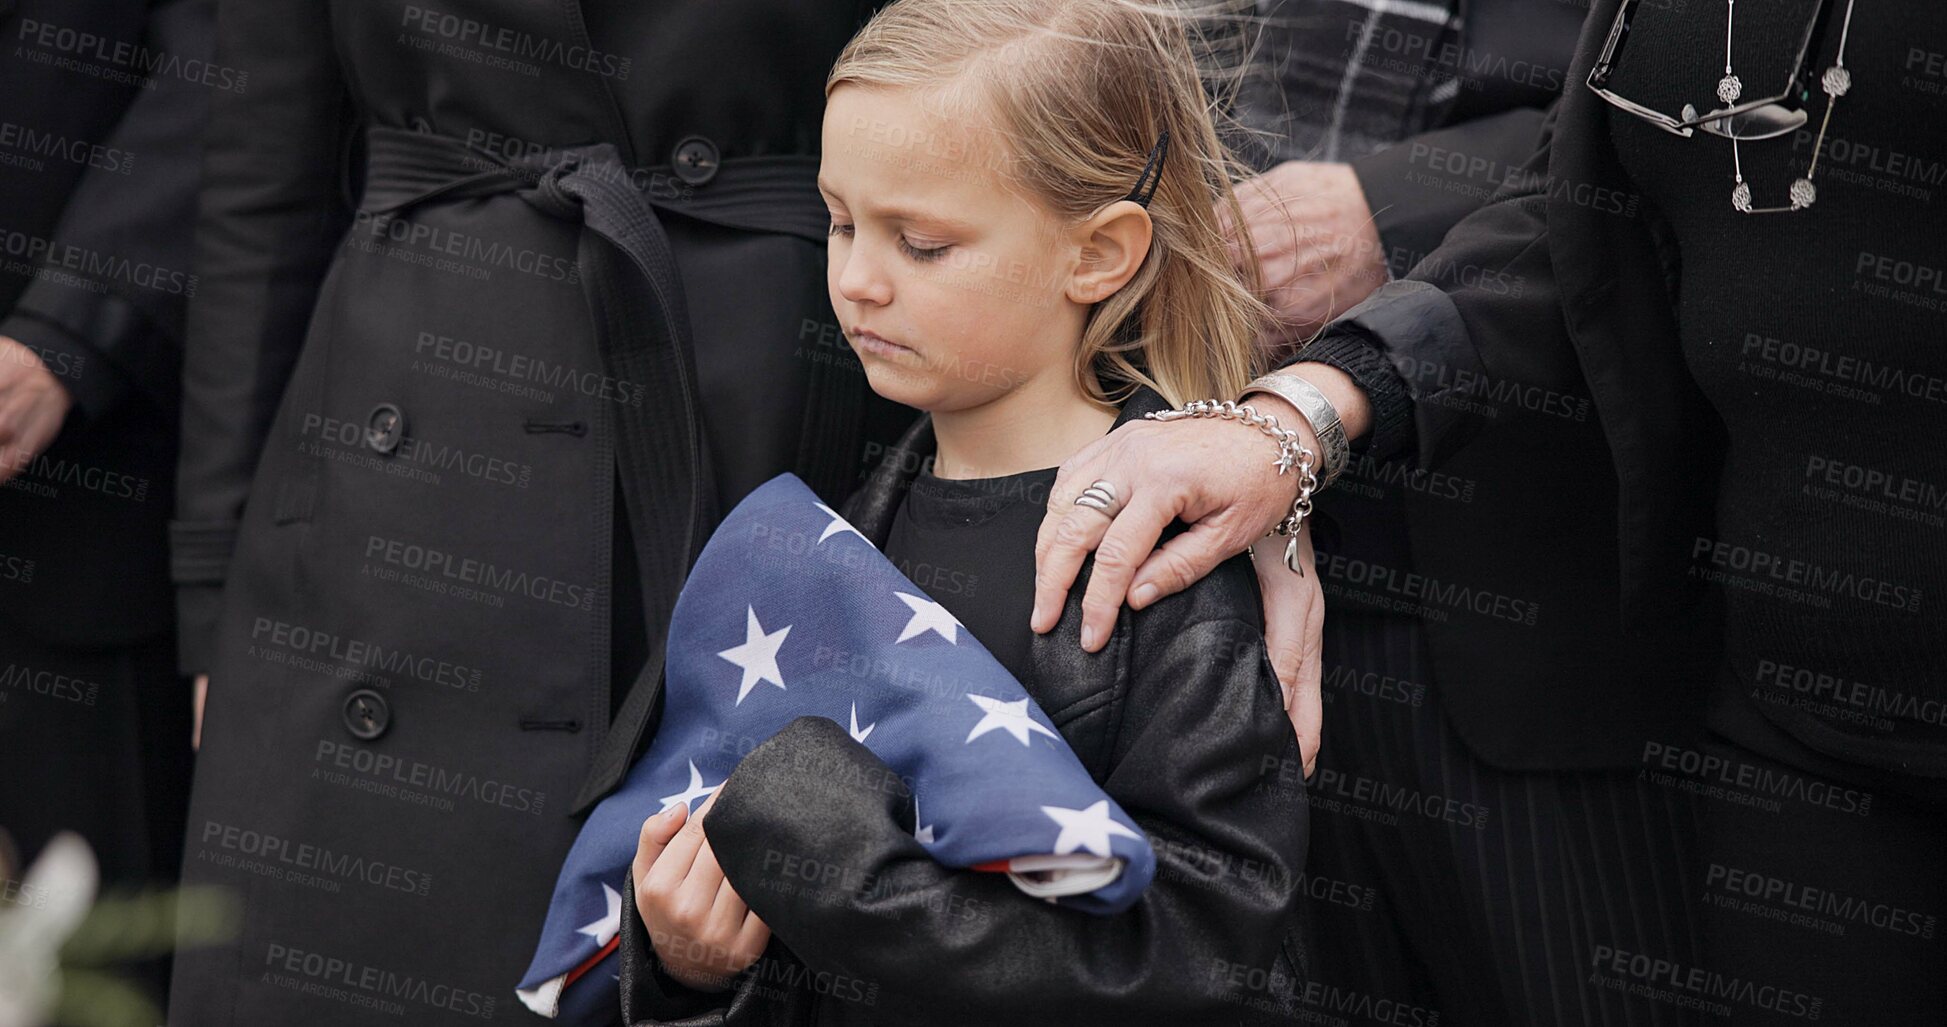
x: 862, y: 278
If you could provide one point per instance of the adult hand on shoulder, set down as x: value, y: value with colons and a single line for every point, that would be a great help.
x: 1217, y: 476
x: 33, y: 405
x: 1318, y: 250
x: 698, y: 924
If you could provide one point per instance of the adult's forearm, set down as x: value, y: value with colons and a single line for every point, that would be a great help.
x: 1371, y: 398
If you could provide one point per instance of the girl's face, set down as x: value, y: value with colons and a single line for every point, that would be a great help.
x: 952, y: 289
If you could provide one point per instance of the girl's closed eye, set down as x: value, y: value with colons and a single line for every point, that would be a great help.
x: 923, y: 253
x: 906, y: 246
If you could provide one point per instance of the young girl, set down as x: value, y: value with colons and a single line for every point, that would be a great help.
x: 1025, y: 244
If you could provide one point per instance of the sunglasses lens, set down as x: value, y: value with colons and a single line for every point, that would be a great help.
x: 1764, y: 122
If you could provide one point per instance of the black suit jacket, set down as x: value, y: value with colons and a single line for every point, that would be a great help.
x: 1179, y: 717
x: 1483, y: 84
x: 1508, y: 62
x: 108, y: 190
x: 1539, y: 345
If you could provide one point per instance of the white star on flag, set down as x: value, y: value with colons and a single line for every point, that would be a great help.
x: 858, y: 734
x: 694, y: 792
x: 839, y: 525
x: 1011, y: 717
x: 610, y: 925
x: 1086, y: 828
x: 928, y: 616
x: 757, y: 656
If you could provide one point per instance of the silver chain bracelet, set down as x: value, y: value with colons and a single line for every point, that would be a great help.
x: 1291, y: 453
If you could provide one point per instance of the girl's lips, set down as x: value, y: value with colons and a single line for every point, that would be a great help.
x: 879, y: 347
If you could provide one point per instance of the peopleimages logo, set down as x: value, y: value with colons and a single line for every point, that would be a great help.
x: 1706, y: 768
x: 1697, y: 983
x: 509, y: 367
x: 52, y: 470
x: 1329, y: 785
x: 1271, y: 989
x: 363, y: 654
x: 1870, y: 698
x: 1765, y: 568
x: 135, y: 61
x: 1876, y: 483
x: 1472, y: 65
x: 474, y: 254
x: 1442, y: 384
x: 49, y: 684
x: 17, y: 569
x: 1436, y: 595
x: 382, y: 768
x: 1497, y: 176
x: 93, y: 267
x: 1371, y: 478
x: 1873, y: 381
x: 29, y: 141
x: 370, y: 985
x: 1820, y: 901
x: 288, y: 858
x: 515, y: 43
x: 466, y: 570
x: 412, y: 453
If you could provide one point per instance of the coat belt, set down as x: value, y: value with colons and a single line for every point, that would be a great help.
x: 635, y: 295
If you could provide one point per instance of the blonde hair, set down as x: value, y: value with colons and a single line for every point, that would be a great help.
x: 1081, y: 89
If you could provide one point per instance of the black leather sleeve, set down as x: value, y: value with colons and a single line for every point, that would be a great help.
x: 651, y: 998
x: 816, y: 834
x: 271, y: 211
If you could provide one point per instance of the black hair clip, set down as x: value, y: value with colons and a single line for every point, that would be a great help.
x: 1145, y: 183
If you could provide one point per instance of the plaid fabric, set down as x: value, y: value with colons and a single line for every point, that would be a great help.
x: 1334, y: 80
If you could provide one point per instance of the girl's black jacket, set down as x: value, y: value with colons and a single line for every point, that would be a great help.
x: 1179, y: 718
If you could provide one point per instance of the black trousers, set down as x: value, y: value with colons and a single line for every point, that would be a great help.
x: 1823, y: 894
x: 97, y: 742
x: 1441, y: 885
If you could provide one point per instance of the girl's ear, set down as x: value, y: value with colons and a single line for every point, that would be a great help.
x: 1113, y: 245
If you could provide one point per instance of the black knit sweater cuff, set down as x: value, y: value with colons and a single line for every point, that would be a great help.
x: 1392, y: 407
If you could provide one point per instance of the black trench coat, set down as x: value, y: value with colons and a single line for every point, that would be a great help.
x: 467, y: 272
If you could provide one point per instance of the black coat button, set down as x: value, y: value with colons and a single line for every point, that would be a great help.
x: 695, y: 159
x: 385, y: 427
x: 366, y: 714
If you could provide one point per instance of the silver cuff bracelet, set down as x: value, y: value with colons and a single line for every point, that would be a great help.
x: 1317, y: 411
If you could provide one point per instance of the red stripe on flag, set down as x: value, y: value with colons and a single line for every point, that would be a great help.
x: 600, y: 954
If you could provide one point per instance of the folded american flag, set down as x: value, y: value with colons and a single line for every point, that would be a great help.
x: 790, y: 612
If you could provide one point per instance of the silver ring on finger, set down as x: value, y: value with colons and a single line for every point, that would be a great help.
x: 1100, y: 496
